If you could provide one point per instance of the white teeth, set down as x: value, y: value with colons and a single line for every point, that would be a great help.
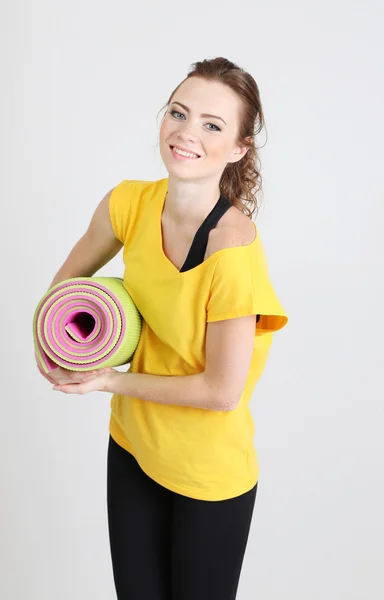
x: 188, y: 154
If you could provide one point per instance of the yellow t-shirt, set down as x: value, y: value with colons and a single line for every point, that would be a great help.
x: 203, y: 454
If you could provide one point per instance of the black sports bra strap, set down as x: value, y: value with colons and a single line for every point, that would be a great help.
x: 199, y: 244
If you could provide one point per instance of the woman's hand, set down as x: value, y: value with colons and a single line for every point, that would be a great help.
x: 60, y: 378
x: 96, y: 383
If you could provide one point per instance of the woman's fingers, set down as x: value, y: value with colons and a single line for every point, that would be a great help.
x: 62, y: 376
x: 45, y: 375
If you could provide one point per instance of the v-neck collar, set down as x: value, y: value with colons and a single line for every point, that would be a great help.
x: 162, y: 193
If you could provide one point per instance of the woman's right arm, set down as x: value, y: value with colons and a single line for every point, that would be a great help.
x: 93, y: 250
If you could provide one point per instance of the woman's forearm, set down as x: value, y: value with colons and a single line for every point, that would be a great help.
x: 188, y: 390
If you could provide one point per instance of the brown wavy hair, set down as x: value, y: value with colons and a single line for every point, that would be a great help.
x: 241, y: 182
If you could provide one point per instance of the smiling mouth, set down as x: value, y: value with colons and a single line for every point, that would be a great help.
x: 196, y: 155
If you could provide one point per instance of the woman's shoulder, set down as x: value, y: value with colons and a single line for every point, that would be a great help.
x: 233, y: 229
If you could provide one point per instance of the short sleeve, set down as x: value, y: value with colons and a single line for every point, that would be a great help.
x: 119, y: 208
x: 241, y: 287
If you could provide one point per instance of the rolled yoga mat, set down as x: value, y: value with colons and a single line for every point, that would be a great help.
x: 86, y: 323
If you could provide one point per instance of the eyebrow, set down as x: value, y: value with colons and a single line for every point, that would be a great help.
x: 202, y: 115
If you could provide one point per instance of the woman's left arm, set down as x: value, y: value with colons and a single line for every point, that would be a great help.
x: 183, y: 390
x: 228, y: 349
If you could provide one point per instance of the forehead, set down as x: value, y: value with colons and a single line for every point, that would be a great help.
x: 210, y: 97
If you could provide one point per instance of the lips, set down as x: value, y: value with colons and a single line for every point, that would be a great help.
x: 185, y: 150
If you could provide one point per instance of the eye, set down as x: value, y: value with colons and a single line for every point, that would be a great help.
x: 173, y: 112
x: 177, y: 112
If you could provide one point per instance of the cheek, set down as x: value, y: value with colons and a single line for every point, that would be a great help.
x: 162, y: 132
x: 165, y: 134
x: 167, y: 129
x: 217, y: 150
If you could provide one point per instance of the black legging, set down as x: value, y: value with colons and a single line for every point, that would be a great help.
x: 165, y: 546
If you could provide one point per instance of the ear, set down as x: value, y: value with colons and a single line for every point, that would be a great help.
x: 239, y: 152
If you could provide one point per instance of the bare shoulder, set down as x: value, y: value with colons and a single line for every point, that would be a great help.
x: 233, y: 229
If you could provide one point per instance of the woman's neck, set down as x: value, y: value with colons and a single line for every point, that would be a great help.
x: 189, y: 202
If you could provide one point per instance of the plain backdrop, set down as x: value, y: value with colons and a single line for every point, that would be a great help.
x: 82, y: 83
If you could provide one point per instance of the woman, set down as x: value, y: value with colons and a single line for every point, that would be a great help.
x: 182, y: 469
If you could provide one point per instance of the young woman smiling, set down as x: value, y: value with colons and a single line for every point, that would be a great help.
x: 182, y: 467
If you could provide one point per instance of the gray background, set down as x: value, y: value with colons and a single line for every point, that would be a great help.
x: 82, y: 83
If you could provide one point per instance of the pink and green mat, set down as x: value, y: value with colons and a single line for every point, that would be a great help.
x: 86, y: 323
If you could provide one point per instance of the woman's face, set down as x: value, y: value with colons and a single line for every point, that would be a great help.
x: 212, y: 138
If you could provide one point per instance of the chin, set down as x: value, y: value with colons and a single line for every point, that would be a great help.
x: 178, y: 169
x: 180, y: 173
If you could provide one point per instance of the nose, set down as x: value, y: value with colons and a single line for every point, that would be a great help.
x: 186, y: 132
